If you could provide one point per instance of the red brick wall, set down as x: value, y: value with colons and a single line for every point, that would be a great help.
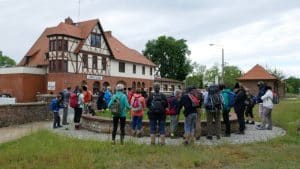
x: 252, y: 85
x: 63, y: 80
x: 23, y: 86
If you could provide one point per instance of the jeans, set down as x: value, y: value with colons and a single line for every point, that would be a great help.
x: 173, y: 123
x: 216, y: 117
x: 226, y: 120
x: 56, y: 119
x: 122, y: 127
x: 137, y: 122
x: 190, y: 123
x: 161, y: 122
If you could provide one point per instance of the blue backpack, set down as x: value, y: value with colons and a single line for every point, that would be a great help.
x: 231, y: 99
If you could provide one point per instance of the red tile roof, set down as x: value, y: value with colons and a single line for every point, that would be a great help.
x: 122, y: 52
x: 257, y: 73
x: 81, y: 31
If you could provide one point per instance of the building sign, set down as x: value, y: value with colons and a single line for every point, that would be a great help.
x: 51, y: 85
x: 94, y: 77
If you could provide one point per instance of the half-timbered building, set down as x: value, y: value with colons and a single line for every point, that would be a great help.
x: 83, y: 53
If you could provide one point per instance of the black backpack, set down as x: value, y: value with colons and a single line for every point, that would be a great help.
x: 214, y: 101
x: 157, y: 104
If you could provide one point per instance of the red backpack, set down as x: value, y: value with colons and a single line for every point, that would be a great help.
x: 73, y: 100
x: 136, y: 105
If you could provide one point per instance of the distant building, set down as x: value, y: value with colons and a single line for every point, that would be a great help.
x: 258, y: 73
x: 71, y: 54
x: 168, y: 85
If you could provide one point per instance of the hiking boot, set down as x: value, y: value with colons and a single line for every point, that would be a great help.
x: 113, y: 142
x: 152, y: 138
x: 218, y: 137
x: 227, y: 135
x: 209, y: 137
x: 240, y: 132
x: 247, y: 121
x: 162, y: 140
x: 252, y: 122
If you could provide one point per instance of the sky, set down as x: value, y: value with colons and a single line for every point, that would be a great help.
x: 265, y: 32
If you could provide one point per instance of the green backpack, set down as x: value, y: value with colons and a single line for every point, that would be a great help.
x: 115, y: 108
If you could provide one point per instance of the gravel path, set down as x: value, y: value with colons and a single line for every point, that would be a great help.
x: 251, y: 135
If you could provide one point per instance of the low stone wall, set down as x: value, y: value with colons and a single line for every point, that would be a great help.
x: 104, y: 125
x: 21, y: 113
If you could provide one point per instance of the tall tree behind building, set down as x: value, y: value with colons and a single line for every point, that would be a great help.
x: 170, y: 55
x: 6, y: 61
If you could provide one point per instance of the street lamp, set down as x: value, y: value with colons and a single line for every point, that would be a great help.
x: 212, y: 44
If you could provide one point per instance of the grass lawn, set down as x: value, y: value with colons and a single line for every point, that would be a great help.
x: 47, y: 150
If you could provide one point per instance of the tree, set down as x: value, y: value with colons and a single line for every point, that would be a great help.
x: 277, y: 73
x: 212, y: 73
x: 170, y: 55
x: 293, y: 85
x: 196, y: 78
x: 6, y: 61
x: 231, y: 73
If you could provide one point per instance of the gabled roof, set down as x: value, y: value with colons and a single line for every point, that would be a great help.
x: 123, y: 53
x: 81, y: 31
x: 257, y: 73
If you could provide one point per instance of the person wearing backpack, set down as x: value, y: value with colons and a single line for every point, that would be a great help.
x: 66, y: 100
x: 190, y: 103
x: 76, y: 102
x: 213, y: 106
x: 267, y: 99
x: 118, y: 106
x: 239, y: 106
x: 54, y: 107
x: 228, y: 102
x: 249, y: 103
x: 137, y: 111
x: 157, y: 104
x: 173, y: 111
x: 101, y: 105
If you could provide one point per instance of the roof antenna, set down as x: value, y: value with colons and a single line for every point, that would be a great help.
x: 78, y: 10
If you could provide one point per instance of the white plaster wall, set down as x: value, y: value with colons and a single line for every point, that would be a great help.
x: 114, y: 71
x: 25, y: 70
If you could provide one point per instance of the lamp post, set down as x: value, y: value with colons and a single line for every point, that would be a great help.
x: 222, y: 71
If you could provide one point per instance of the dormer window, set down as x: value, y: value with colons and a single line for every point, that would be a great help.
x: 95, y: 40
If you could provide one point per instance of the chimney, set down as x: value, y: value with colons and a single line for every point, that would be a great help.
x: 108, y: 34
x: 69, y: 21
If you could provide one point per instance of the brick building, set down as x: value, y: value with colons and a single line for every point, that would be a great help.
x: 71, y: 54
x: 258, y: 73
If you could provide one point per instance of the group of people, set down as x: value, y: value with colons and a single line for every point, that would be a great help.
x: 80, y: 100
x: 216, y: 99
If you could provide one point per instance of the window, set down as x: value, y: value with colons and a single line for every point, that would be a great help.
x: 58, y: 66
x: 85, y: 61
x: 95, y: 40
x: 52, y: 45
x: 143, y: 70
x: 65, y: 45
x: 95, y: 65
x: 121, y: 67
x: 103, y: 63
x: 151, y: 71
x: 134, y: 69
x: 59, y: 45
